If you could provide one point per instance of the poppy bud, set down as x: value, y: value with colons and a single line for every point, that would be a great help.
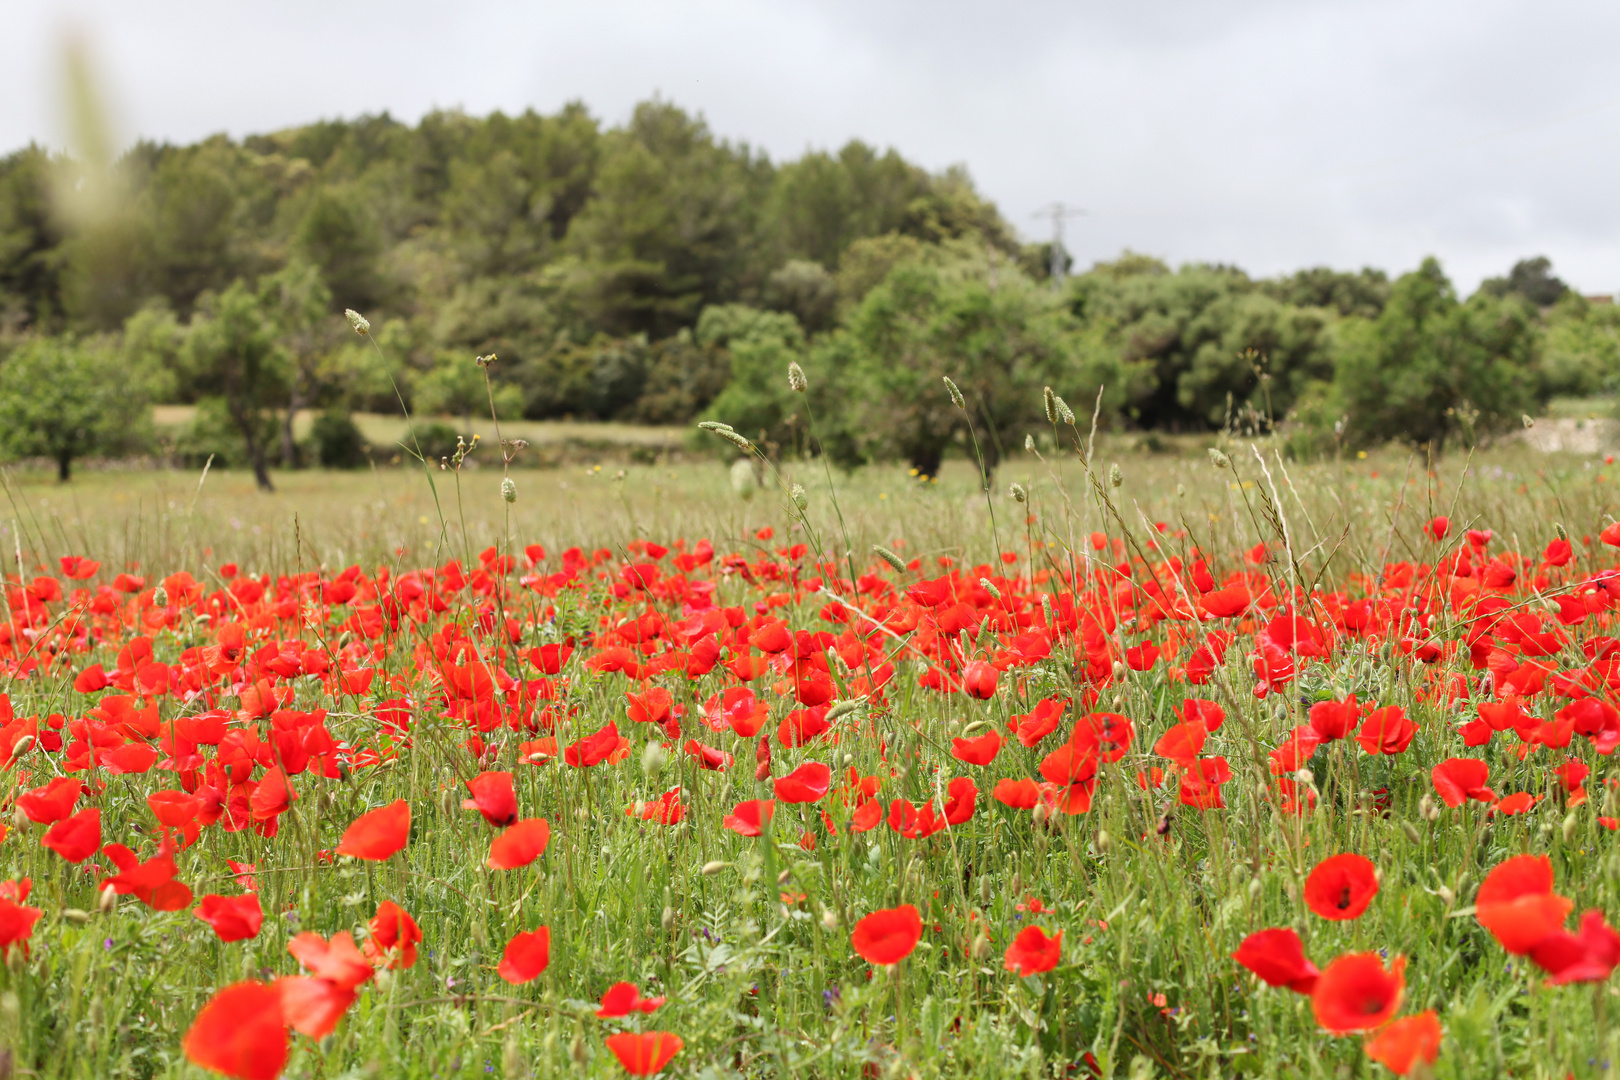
x: 22, y: 746
x: 1447, y: 897
x: 76, y: 916
x: 712, y: 868
x: 1120, y: 670
x: 358, y: 321
x: 984, y: 890
x: 1411, y: 832
x: 981, y: 947
x: 1570, y: 824
x: 384, y: 979
x: 653, y: 758
x: 829, y: 919
x: 667, y: 919
x: 1256, y: 887
x: 509, y: 490
x: 107, y: 901
x: 19, y: 819
x: 1427, y: 809
x: 1104, y: 842
x: 1017, y: 883
x: 576, y: 1047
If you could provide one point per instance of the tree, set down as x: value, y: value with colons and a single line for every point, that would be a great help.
x: 296, y: 300
x: 1430, y: 365
x: 66, y: 399
x: 232, y: 353
x: 981, y: 322
x: 1532, y: 279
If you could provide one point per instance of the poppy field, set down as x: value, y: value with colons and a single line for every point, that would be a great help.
x: 1207, y: 766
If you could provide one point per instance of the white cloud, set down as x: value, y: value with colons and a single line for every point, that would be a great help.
x: 1264, y: 133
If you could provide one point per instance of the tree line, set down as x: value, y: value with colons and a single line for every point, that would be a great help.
x: 653, y: 272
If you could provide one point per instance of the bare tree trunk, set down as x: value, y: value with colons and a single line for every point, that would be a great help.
x: 289, y: 448
x: 64, y: 468
x: 256, y: 455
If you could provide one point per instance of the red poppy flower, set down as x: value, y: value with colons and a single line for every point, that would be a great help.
x: 550, y: 658
x: 520, y: 845
x: 76, y: 838
x: 394, y: 936
x: 1514, y: 804
x: 527, y: 955
x: 1032, y: 727
x: 1201, y: 782
x: 650, y: 707
x: 494, y: 797
x: 961, y: 796
x: 1199, y: 711
x: 1457, y: 780
x: 240, y: 1033
x: 1072, y: 772
x: 1107, y: 735
x: 981, y: 750
x: 1225, y: 603
x: 51, y: 803
x: 1386, y: 731
x: 1279, y: 959
x: 1018, y: 794
x: 644, y: 1054
x: 750, y: 818
x: 738, y: 709
x: 1295, y: 750
x: 1517, y: 905
x: 311, y: 1005
x: 979, y: 680
x: 1407, y: 1041
x: 888, y: 935
x: 1588, y: 956
x: 378, y: 834
x: 78, y: 568
x: 337, y: 961
x: 1438, y: 527
x: 234, y: 918
x: 16, y: 921
x: 622, y: 999
x: 1341, y: 886
x: 805, y: 784
x: 1356, y: 993
x: 1032, y: 952
x: 593, y: 748
x: 1183, y: 742
x: 1335, y: 719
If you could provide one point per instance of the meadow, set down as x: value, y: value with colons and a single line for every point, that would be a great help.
x: 1141, y: 764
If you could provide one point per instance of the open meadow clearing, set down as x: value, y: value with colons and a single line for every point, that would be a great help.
x: 1166, y: 767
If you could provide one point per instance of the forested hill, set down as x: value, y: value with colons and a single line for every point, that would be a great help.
x: 655, y: 272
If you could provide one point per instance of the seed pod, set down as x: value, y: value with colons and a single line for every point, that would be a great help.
x: 1411, y: 832
x: 796, y: 380
x: 1018, y: 493
x: 1220, y: 460
x: 358, y: 321
x: 956, y: 395
x: 844, y: 708
x: 712, y: 868
x: 889, y: 557
x: 509, y: 490
x: 1570, y: 824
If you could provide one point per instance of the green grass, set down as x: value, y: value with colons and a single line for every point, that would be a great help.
x: 1152, y: 896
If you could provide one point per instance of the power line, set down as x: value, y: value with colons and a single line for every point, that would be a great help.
x: 1059, y: 212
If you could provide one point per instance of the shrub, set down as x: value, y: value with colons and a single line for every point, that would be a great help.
x: 338, y: 441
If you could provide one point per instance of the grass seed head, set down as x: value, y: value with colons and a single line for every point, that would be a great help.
x: 889, y: 557
x: 509, y: 490
x: 796, y: 380
x: 358, y: 321
x: 956, y: 395
x: 1019, y: 495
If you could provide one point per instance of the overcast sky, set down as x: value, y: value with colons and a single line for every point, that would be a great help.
x: 1272, y: 134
